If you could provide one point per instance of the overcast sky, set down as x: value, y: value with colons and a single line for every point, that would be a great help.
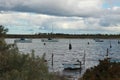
x: 65, y: 16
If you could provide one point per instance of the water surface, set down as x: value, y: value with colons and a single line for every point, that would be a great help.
x: 94, y: 51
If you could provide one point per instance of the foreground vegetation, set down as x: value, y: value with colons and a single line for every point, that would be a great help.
x: 17, y: 66
x: 106, y: 70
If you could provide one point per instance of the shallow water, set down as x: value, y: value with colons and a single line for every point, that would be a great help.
x: 94, y: 51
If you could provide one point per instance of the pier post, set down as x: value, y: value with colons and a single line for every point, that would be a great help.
x: 52, y: 59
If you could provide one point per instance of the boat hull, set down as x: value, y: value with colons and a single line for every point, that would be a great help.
x: 23, y: 41
x: 51, y: 40
x: 98, y: 40
x: 70, y: 66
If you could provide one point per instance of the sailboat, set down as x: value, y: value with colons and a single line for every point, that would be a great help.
x: 50, y: 39
x: 23, y: 40
x: 98, y: 40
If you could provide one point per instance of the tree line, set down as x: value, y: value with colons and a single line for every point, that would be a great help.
x: 61, y: 35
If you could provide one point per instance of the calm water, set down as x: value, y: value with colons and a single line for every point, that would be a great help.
x: 94, y: 51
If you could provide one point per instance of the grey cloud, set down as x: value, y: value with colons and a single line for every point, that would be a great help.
x: 110, y: 20
x: 59, y: 11
x: 53, y: 7
x: 104, y: 23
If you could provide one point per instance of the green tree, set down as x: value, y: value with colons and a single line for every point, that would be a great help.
x: 3, y: 31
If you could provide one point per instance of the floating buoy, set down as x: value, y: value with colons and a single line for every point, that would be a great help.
x: 44, y: 43
x: 88, y: 43
x: 110, y: 46
x: 70, y: 46
x: 52, y: 59
x: 118, y: 42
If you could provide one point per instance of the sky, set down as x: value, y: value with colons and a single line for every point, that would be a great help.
x: 63, y: 16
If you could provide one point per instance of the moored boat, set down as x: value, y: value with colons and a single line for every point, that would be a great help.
x: 98, y: 40
x: 49, y: 40
x: 71, y: 66
x: 23, y: 40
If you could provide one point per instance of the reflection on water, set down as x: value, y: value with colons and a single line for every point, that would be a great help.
x: 94, y: 51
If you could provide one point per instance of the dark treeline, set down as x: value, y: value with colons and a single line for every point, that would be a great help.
x: 61, y: 35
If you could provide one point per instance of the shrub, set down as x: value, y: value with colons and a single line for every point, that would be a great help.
x: 17, y: 66
x: 106, y: 70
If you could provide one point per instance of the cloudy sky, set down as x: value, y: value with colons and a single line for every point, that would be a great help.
x: 65, y: 16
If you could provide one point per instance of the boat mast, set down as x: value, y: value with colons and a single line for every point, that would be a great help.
x: 52, y: 31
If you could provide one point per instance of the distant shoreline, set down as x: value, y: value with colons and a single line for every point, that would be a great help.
x: 81, y: 36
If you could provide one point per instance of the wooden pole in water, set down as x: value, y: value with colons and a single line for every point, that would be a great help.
x: 52, y: 59
x: 80, y: 67
x: 107, y: 53
x: 84, y: 58
x: 110, y: 45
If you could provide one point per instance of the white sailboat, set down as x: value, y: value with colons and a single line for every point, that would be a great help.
x: 50, y: 39
x: 23, y: 40
x: 98, y: 40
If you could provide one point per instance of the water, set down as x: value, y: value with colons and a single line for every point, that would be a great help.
x: 94, y: 51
